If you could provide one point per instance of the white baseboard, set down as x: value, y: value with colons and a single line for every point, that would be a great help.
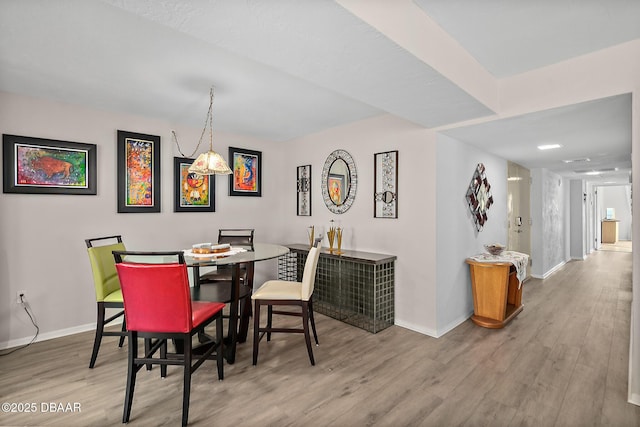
x: 416, y: 328
x: 48, y: 336
x: 550, y: 272
x: 634, y: 399
x: 431, y: 332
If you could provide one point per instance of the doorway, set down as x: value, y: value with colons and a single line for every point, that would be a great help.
x: 519, y: 208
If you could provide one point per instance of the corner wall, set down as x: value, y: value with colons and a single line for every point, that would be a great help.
x: 457, y: 237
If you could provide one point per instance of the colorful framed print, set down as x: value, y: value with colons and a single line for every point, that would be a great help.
x: 246, y: 179
x: 48, y: 166
x: 304, y: 190
x: 192, y: 192
x: 138, y: 172
x: 385, y: 193
x: 335, y: 183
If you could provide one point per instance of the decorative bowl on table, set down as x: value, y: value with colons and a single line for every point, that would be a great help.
x: 495, y: 248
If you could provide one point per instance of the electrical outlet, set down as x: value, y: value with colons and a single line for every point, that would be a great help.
x: 19, y: 298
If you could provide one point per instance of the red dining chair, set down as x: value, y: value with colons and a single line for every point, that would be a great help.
x: 158, y: 307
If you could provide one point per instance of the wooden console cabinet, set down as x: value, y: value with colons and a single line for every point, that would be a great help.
x: 609, y: 231
x: 497, y: 294
x: 355, y: 287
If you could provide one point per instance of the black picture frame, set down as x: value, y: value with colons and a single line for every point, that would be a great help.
x: 192, y: 192
x: 138, y: 172
x: 48, y: 166
x: 245, y: 181
x: 303, y: 183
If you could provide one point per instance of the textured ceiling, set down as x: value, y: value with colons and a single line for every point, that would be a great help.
x: 287, y: 68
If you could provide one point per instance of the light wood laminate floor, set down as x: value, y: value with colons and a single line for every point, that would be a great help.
x: 562, y: 362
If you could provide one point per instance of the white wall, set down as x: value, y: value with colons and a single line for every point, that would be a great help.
x: 42, y: 236
x: 457, y: 237
x: 550, y: 230
x: 577, y: 222
x: 411, y: 237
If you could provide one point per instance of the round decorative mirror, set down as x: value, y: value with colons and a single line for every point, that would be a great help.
x: 339, y: 181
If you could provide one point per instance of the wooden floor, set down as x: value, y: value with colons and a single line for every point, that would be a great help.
x: 562, y: 362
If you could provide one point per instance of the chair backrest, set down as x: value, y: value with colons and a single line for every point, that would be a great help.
x: 236, y: 236
x: 156, y: 295
x: 105, y: 276
x: 309, y: 274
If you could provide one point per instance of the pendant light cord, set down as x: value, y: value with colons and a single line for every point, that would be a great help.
x: 208, y: 122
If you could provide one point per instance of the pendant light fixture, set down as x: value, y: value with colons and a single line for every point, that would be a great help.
x: 209, y: 163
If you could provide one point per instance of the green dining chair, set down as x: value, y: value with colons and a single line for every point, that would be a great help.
x: 107, y: 287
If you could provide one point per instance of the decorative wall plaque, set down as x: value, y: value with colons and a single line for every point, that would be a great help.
x: 386, y: 185
x: 479, y: 197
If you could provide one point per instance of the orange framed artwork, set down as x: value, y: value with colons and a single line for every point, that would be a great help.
x: 246, y: 179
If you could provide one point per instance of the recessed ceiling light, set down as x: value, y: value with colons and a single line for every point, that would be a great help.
x: 592, y: 173
x: 586, y: 159
x: 548, y: 146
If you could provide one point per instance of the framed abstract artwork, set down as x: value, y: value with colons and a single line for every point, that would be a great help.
x: 48, y: 166
x: 304, y: 190
x: 192, y: 192
x: 385, y: 166
x: 246, y: 179
x: 138, y: 172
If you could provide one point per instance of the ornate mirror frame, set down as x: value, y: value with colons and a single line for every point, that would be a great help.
x: 352, y: 181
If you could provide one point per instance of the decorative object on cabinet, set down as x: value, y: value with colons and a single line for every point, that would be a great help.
x: 246, y: 179
x: 138, y: 172
x: 209, y: 163
x: 304, y: 190
x: 334, y: 234
x: 355, y: 287
x: 479, y: 197
x: 192, y: 192
x: 48, y: 166
x: 339, y: 181
x: 385, y: 166
x: 311, y: 233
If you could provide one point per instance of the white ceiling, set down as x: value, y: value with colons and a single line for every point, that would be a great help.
x: 287, y: 68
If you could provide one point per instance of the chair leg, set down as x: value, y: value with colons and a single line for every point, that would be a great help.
x: 124, y: 332
x: 313, y: 322
x: 256, y: 331
x: 98, y: 337
x: 131, y: 375
x: 186, y: 387
x: 269, y: 321
x: 163, y: 356
x: 147, y: 348
x: 220, y: 350
x: 305, y: 326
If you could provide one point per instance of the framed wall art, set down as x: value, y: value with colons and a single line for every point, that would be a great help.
x: 48, y: 166
x: 304, y: 190
x: 385, y: 166
x: 192, y: 192
x: 138, y: 172
x: 246, y: 166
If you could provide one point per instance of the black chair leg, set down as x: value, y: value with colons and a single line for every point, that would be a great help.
x: 131, y: 375
x: 147, y: 347
x: 124, y: 332
x: 163, y: 355
x: 98, y: 337
x: 313, y: 322
x: 220, y: 350
x: 305, y: 326
x: 256, y: 331
x: 269, y: 321
x: 186, y: 391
